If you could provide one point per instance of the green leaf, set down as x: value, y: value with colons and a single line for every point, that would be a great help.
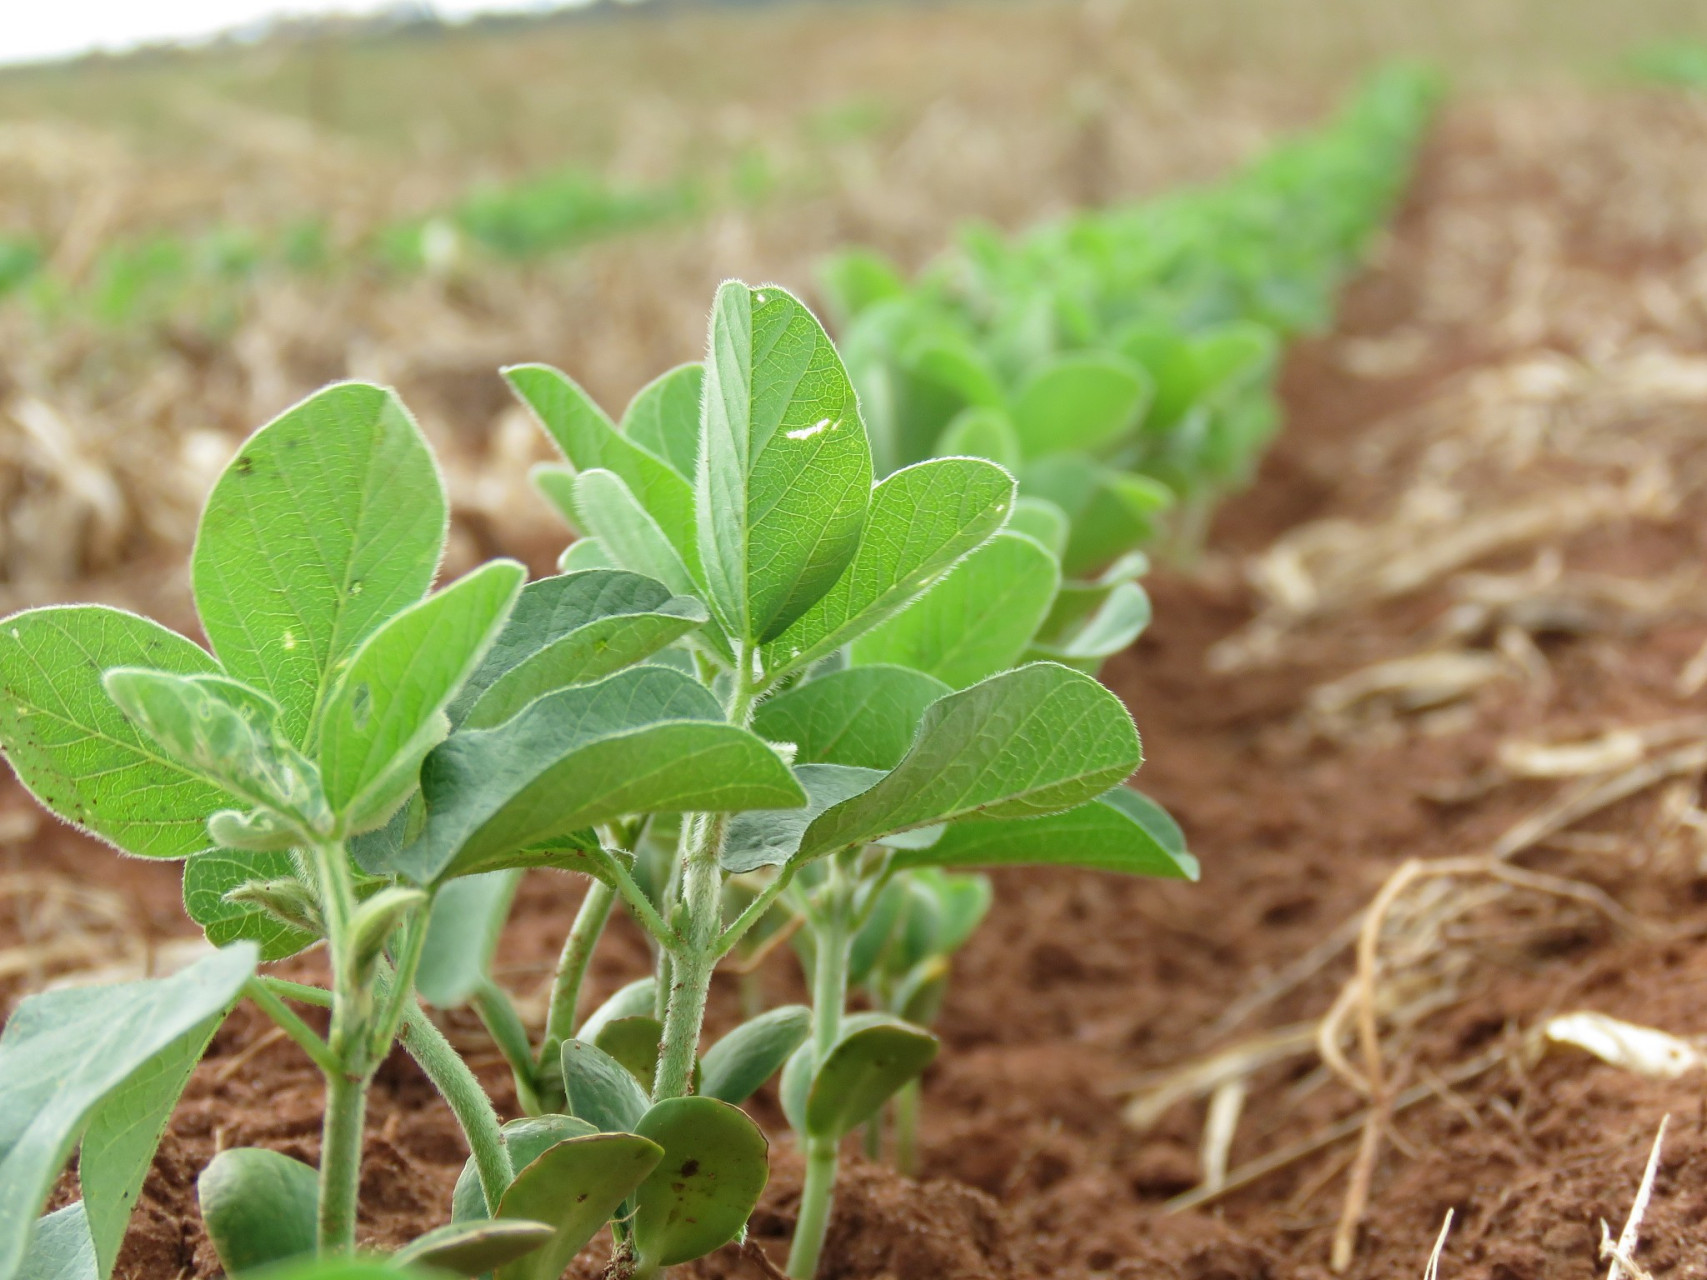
x: 700, y: 1195
x: 106, y: 1064
x: 356, y: 1268
x: 590, y: 441
x: 626, y: 531
x: 872, y: 943
x: 474, y: 1248
x: 770, y: 838
x: 1080, y: 403
x: 1121, y: 830
x: 977, y: 621
x: 633, y: 1041
x: 583, y: 553
x: 737, y: 1065
x: 643, y: 741
x: 663, y: 417
x: 855, y: 279
x: 388, y: 709
x: 61, y: 1247
x: 1118, y: 621
x: 556, y: 484
x: 78, y: 753
x: 600, y: 1089
x: 1110, y: 511
x: 1041, y: 519
x: 874, y: 1057
x: 923, y: 520
x: 210, y: 875
x: 568, y: 630
x: 526, y: 1140
x: 962, y: 902
x: 863, y: 716
x: 220, y: 731
x: 575, y: 1186
x: 330, y: 520
x: 637, y: 997
x: 948, y: 360
x: 259, y: 1207
x: 981, y: 432
x: 784, y: 474
x: 462, y: 933
x: 1030, y: 741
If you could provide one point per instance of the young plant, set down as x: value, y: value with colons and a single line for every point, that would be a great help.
x: 281, y: 767
x: 873, y: 632
x: 939, y: 680
x: 1121, y: 362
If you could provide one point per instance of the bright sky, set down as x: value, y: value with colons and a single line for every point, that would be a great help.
x: 31, y: 30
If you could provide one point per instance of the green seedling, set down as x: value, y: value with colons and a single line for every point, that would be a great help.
x: 1122, y: 362
x: 306, y: 772
x: 907, y: 644
x: 902, y: 956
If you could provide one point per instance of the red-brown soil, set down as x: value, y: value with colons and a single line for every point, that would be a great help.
x: 1080, y: 985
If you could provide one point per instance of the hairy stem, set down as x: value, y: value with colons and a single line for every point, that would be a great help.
x: 695, y: 957
x: 341, y: 1162
x: 831, y: 939
x: 584, y: 934
x: 468, y: 1101
x: 346, y: 1087
x: 402, y: 990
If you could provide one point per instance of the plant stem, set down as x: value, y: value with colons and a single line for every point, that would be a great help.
x: 635, y: 899
x: 874, y: 1133
x: 829, y: 995
x: 402, y: 987
x: 498, y: 1015
x: 301, y: 992
x: 754, y: 913
x: 695, y: 951
x: 294, y: 1027
x: 468, y: 1101
x: 347, y: 1045
x: 341, y: 1161
x: 816, y: 1197
x: 907, y: 1128
x: 694, y: 959
x: 561, y: 1020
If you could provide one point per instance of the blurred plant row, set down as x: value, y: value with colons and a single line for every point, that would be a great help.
x: 1122, y: 362
x: 204, y: 278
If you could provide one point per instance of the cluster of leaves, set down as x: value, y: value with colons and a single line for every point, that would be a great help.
x: 1122, y: 361
x: 910, y: 644
x: 759, y: 672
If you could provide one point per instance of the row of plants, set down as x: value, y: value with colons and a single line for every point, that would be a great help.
x: 788, y: 687
x: 1122, y: 362
x: 203, y: 278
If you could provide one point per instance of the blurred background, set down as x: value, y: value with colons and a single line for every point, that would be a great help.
x: 209, y: 207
